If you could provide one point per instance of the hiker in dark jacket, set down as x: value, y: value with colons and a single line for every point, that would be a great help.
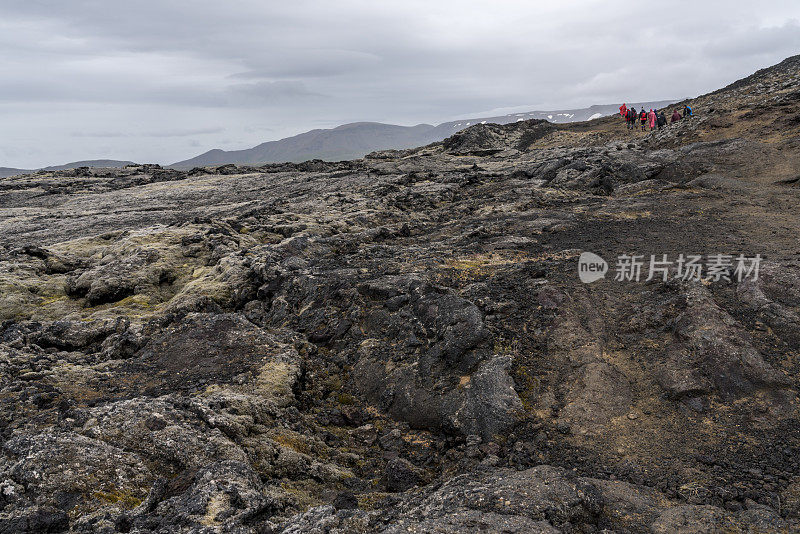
x: 676, y: 116
x: 643, y: 117
x: 632, y: 116
x: 661, y: 121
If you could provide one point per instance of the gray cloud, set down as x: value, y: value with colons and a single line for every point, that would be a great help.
x: 158, y: 80
x: 757, y: 42
x: 268, y: 93
x: 154, y: 133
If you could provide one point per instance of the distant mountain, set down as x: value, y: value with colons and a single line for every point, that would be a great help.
x: 108, y: 163
x: 357, y: 139
x: 343, y: 142
x: 10, y: 171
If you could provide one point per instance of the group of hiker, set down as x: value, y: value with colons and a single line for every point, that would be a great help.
x: 653, y: 119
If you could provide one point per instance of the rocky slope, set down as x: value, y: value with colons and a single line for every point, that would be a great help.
x: 402, y: 344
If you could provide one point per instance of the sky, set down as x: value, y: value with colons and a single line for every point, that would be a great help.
x: 164, y: 80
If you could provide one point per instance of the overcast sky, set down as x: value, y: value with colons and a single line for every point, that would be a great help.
x: 164, y: 80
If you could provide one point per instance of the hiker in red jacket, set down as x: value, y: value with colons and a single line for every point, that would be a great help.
x: 676, y: 116
x: 643, y: 117
x: 651, y: 118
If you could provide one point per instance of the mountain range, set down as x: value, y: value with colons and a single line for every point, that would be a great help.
x: 358, y: 139
x: 349, y: 141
